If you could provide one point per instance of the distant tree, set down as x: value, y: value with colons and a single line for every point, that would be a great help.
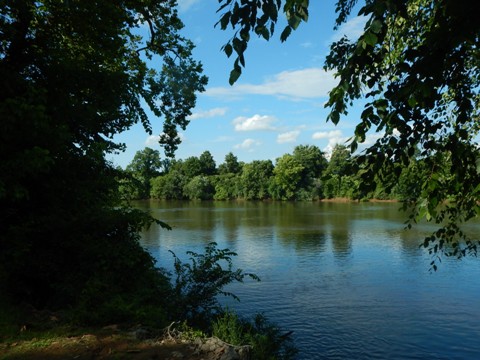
x: 230, y: 165
x: 255, y: 179
x: 199, y: 188
x: 146, y: 165
x: 191, y: 167
x: 207, y: 164
x: 341, y: 162
x: 312, y: 159
x: 340, y: 169
x: 169, y: 186
x: 287, y: 178
x: 227, y: 186
x: 158, y: 187
x: 314, y: 164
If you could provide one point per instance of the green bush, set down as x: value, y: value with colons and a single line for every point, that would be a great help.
x: 198, y: 283
x: 267, y: 340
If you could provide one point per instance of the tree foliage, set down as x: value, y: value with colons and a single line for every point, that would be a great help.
x: 230, y: 165
x: 255, y: 179
x: 197, y: 283
x: 258, y: 17
x: 145, y: 166
x: 287, y: 176
x: 74, y: 75
x: 417, y: 66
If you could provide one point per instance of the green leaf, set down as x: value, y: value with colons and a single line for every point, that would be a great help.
x: 285, y: 33
x: 370, y: 38
x: 263, y: 31
x: 234, y: 75
x: 477, y: 164
x: 294, y: 21
x: 376, y: 26
x: 225, y: 20
x: 412, y: 101
x: 228, y: 49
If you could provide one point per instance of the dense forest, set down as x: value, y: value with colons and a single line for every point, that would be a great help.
x: 306, y: 174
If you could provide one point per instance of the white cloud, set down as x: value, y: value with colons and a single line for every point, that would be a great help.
x: 256, y: 122
x: 352, y: 29
x: 152, y: 140
x: 298, y: 84
x: 334, y: 141
x: 184, y: 5
x: 223, y: 138
x: 247, y: 144
x: 290, y: 136
x: 327, y: 134
x: 334, y: 137
x: 208, y: 113
x: 307, y: 44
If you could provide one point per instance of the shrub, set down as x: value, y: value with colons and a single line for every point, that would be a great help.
x: 198, y: 283
x: 267, y: 340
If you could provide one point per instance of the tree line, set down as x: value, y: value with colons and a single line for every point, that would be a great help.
x: 306, y: 174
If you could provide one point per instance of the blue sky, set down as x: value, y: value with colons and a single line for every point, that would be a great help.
x: 278, y: 102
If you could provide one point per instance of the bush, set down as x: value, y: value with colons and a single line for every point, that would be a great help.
x: 198, y: 283
x: 267, y: 340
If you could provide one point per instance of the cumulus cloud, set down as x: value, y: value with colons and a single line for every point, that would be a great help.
x: 247, y: 144
x: 327, y: 134
x: 308, y: 83
x: 333, y: 138
x: 290, y: 136
x: 208, y: 113
x: 255, y: 122
x: 152, y: 140
x: 352, y: 29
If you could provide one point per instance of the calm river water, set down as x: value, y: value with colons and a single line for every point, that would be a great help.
x: 345, y: 277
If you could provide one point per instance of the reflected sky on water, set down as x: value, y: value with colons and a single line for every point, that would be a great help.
x: 347, y: 278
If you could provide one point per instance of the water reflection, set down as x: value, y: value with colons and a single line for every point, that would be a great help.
x: 347, y: 278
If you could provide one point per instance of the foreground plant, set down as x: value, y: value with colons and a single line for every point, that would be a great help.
x: 198, y: 283
x: 268, y: 341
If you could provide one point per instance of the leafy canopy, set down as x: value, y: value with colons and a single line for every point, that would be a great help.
x: 74, y: 74
x: 417, y: 65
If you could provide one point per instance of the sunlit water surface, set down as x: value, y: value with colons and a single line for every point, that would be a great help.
x: 347, y: 278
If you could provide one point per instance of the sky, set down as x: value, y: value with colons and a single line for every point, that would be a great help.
x: 278, y: 102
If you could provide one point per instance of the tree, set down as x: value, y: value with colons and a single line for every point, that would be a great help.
x: 340, y: 162
x: 75, y: 75
x: 339, y: 168
x: 199, y: 188
x: 227, y: 186
x: 416, y: 63
x: 255, y: 179
x: 287, y: 176
x: 314, y: 164
x: 191, y: 167
x: 230, y: 165
x: 169, y: 186
x: 146, y: 165
x: 207, y: 162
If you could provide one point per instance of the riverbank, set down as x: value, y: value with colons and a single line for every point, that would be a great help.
x: 95, y: 344
x: 111, y: 342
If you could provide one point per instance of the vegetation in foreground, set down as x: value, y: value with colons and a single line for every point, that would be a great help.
x: 189, y: 297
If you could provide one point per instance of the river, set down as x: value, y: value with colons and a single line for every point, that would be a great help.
x: 347, y: 278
